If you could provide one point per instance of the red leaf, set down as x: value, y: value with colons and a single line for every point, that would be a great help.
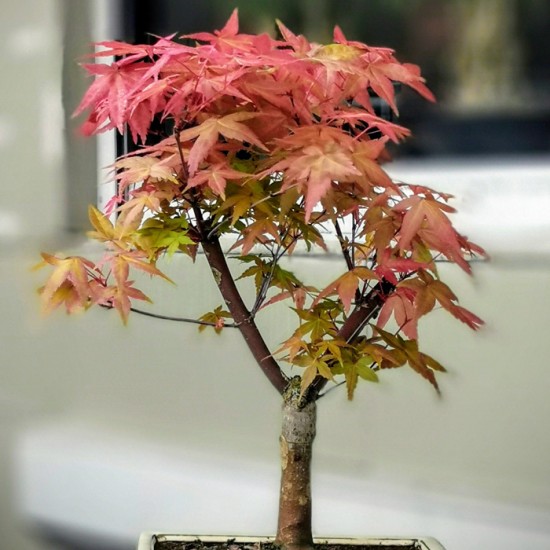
x: 466, y: 316
x: 400, y: 304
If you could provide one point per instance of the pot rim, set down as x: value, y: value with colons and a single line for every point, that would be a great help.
x: 147, y: 540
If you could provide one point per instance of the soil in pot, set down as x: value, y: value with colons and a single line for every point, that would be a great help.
x: 232, y: 545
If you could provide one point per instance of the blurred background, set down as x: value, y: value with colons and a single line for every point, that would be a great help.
x: 108, y: 431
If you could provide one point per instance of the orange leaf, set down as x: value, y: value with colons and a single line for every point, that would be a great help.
x: 121, y: 298
x: 147, y: 267
x: 346, y: 285
x: 72, y: 270
x: 229, y: 126
x: 216, y: 176
x: 400, y: 304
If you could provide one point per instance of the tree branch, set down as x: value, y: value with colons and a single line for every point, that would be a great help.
x: 244, y: 321
x: 363, y: 312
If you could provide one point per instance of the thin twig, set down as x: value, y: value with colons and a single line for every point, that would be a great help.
x: 350, y: 259
x: 171, y: 318
x: 342, y: 242
x: 177, y: 132
x: 266, y: 282
x: 330, y: 389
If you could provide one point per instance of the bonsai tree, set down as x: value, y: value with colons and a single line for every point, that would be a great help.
x: 269, y: 142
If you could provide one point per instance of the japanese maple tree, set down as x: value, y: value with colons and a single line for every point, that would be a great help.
x: 271, y: 141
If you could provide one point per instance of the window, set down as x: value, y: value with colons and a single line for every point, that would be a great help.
x: 486, y: 140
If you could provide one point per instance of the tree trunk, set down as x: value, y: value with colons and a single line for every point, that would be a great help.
x: 297, y: 434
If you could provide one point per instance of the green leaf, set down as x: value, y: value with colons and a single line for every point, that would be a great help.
x: 215, y: 317
x: 364, y: 369
x: 392, y: 339
x: 355, y: 370
x: 155, y: 236
x: 317, y: 327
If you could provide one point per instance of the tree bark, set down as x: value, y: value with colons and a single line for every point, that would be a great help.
x: 254, y: 340
x: 297, y: 434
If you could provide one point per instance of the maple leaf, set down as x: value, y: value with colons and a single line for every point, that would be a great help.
x: 365, y: 158
x: 120, y: 234
x: 421, y: 363
x: 425, y: 219
x: 383, y: 70
x: 267, y: 89
x: 257, y: 233
x: 366, y: 123
x: 298, y: 296
x: 293, y: 346
x: 346, y: 286
x: 68, y: 295
x: 384, y: 358
x: 156, y: 236
x: 206, y: 134
x: 317, y: 323
x: 389, y: 264
x: 400, y: 304
x: 446, y: 240
x: 136, y: 260
x: 314, y: 168
x: 215, y: 176
x: 227, y: 37
x: 104, y: 229
x: 315, y: 364
x: 115, y: 48
x: 380, y: 225
x: 68, y: 282
x: 120, y: 297
x: 108, y: 95
x: 428, y: 290
x: 420, y: 211
x: 132, y: 170
x: 216, y: 318
x: 358, y: 369
x: 299, y: 43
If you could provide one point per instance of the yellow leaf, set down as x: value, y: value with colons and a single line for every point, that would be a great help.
x: 101, y: 223
x: 308, y: 377
x: 324, y: 370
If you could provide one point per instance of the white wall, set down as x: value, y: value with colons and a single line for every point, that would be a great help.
x: 30, y: 118
x: 471, y: 466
